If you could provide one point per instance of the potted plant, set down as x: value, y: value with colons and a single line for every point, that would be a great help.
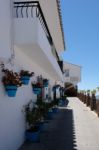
x: 32, y: 116
x: 93, y: 99
x: 43, y: 109
x: 50, y: 110
x: 37, y: 87
x: 45, y: 82
x: 25, y: 76
x: 11, y: 81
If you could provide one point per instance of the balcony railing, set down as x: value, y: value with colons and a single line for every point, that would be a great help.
x: 33, y: 9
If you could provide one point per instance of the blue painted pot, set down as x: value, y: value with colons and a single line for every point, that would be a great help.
x: 40, y: 126
x: 11, y: 90
x: 61, y: 103
x: 33, y: 136
x: 50, y: 115
x: 46, y: 84
x: 55, y: 110
x: 37, y: 90
x: 25, y: 80
x: 44, y: 127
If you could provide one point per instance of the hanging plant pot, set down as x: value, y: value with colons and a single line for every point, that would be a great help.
x: 36, y: 90
x: 11, y: 90
x: 25, y: 80
x: 46, y: 84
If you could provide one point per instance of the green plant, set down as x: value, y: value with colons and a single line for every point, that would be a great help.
x: 26, y: 73
x: 32, y: 116
x: 88, y: 91
x: 42, y: 107
x: 11, y: 78
x: 37, y: 85
x: 45, y: 81
x: 93, y: 91
x: 82, y: 91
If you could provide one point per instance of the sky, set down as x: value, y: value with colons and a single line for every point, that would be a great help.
x: 81, y: 30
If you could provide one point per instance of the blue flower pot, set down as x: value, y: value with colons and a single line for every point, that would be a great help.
x: 25, y: 80
x: 37, y: 90
x: 11, y: 90
x: 46, y: 84
x: 55, y: 110
x: 33, y: 136
x: 61, y: 103
x: 50, y: 115
x: 40, y: 125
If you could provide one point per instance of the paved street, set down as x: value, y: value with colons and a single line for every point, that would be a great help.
x: 75, y: 127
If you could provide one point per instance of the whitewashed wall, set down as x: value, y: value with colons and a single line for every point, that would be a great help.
x: 30, y: 37
x: 12, y: 121
x: 12, y: 124
x: 5, y: 26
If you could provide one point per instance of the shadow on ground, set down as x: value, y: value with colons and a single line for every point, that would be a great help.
x: 60, y: 134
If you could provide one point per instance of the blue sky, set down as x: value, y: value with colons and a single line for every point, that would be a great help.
x: 81, y: 29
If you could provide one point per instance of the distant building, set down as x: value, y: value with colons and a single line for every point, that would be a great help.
x: 72, y: 76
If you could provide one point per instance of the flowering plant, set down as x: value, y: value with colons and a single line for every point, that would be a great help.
x: 37, y: 85
x: 11, y: 78
x: 26, y: 73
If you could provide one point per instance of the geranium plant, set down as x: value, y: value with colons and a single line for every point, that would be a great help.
x: 36, y: 85
x: 26, y: 73
x: 11, y: 81
x: 11, y: 78
x: 25, y: 76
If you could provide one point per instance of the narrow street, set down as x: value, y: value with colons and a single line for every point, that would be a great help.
x: 74, y: 127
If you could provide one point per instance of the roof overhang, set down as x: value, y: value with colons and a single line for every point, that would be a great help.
x: 54, y: 22
x: 52, y: 14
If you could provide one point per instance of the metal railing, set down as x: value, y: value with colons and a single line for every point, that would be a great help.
x: 26, y: 9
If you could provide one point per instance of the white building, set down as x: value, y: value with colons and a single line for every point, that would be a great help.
x: 72, y: 73
x: 31, y: 38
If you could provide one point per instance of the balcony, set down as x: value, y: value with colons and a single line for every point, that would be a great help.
x: 32, y: 36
